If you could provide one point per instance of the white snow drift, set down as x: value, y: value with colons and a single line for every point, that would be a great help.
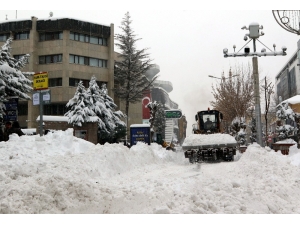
x: 59, y: 173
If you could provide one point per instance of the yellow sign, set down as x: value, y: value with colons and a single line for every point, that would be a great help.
x: 40, y: 81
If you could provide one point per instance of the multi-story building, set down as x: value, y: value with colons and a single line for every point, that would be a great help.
x: 69, y: 50
x: 288, y: 79
x: 175, y: 128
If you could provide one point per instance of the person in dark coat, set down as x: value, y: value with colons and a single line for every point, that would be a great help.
x: 15, y: 128
x: 5, y: 133
x: 1, y: 133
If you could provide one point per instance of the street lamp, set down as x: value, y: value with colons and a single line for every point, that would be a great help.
x: 254, y: 34
x: 223, y: 78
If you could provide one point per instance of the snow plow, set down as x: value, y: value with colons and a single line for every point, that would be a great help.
x: 208, y: 142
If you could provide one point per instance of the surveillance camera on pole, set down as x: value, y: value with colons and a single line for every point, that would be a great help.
x: 254, y: 33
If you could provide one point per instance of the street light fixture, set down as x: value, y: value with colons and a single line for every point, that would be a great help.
x: 253, y: 36
x: 223, y: 78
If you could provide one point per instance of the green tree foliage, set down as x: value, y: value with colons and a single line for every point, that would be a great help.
x: 130, y: 68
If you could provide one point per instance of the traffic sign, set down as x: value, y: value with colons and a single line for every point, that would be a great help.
x: 40, y: 81
x: 46, y: 96
x: 173, y: 114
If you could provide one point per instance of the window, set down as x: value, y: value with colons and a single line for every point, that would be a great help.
x: 94, y: 62
x: 82, y: 60
x: 292, y: 83
x: 88, y: 38
x: 55, y: 109
x: 22, y: 109
x: 4, y: 37
x: 18, y: 57
x: 21, y: 35
x: 54, y: 82
x: 46, y: 59
x: 94, y: 40
x: 51, y: 36
x: 73, y: 82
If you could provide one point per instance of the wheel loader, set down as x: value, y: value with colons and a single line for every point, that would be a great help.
x: 208, y: 142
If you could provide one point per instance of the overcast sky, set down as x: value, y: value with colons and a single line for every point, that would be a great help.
x: 186, y: 41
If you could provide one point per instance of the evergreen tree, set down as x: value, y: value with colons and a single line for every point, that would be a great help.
x: 80, y: 107
x: 252, y: 126
x: 238, y: 128
x: 289, y: 126
x: 111, y: 127
x: 159, y: 122
x: 157, y: 118
x: 13, y: 82
x: 130, y: 78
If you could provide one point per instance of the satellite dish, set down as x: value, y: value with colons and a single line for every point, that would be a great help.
x: 51, y: 14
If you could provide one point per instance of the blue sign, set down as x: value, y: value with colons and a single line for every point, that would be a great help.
x: 11, y: 110
x: 140, y: 132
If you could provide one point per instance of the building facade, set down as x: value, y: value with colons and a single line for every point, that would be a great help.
x: 69, y: 50
x: 287, y: 81
x: 175, y: 129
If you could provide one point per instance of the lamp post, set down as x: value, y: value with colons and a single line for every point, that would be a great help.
x: 223, y: 78
x: 253, y: 35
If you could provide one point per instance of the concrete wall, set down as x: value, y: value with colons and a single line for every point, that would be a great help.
x: 91, y: 129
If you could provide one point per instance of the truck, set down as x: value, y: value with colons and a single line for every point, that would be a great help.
x: 208, y: 141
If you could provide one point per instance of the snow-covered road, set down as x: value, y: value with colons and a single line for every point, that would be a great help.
x: 226, y: 187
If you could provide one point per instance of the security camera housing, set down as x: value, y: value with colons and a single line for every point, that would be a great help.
x: 247, y: 50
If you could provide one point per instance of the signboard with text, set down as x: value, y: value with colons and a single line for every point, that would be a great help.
x: 11, y: 109
x: 173, y: 114
x: 46, y: 96
x: 139, y: 133
x: 40, y: 81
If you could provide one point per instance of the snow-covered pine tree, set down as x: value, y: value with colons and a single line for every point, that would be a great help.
x: 111, y: 126
x: 13, y: 82
x: 112, y: 119
x: 129, y: 71
x: 158, y: 118
x: 153, y: 109
x: 79, y: 107
x: 238, y: 128
x: 252, y: 126
x: 285, y: 113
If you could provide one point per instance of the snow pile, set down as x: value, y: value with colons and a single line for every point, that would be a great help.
x: 286, y: 141
x: 209, y: 139
x: 59, y: 173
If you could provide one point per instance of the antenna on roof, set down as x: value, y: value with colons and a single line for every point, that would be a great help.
x: 51, y: 14
x: 6, y: 17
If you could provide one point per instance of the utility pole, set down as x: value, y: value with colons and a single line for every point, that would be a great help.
x: 254, y: 34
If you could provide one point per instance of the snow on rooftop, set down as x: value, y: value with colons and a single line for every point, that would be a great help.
x: 293, y: 100
x: 286, y: 141
x: 139, y: 125
x: 208, y: 139
x: 52, y: 18
x: 53, y: 118
x: 72, y: 18
x: 14, y: 20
